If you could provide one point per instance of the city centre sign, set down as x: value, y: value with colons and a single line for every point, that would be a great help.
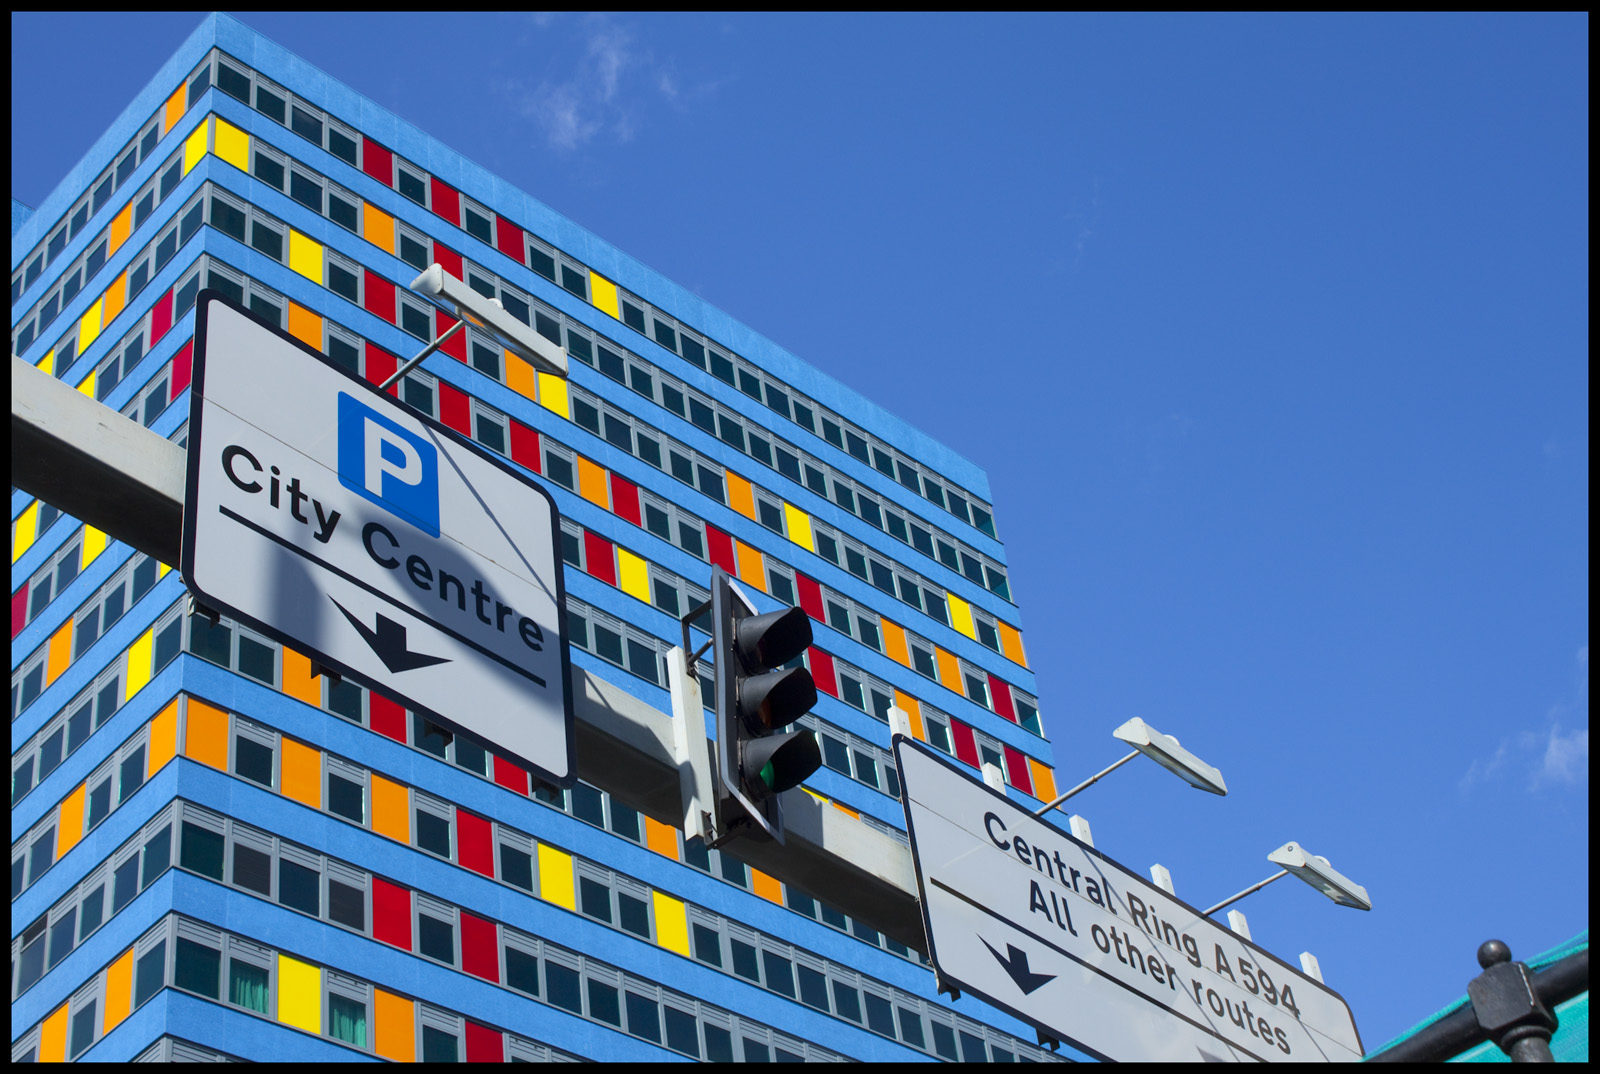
x: 1046, y: 927
x: 375, y: 540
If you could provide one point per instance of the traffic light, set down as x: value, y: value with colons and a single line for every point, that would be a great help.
x: 756, y: 698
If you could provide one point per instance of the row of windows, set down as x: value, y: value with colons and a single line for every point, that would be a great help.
x: 450, y: 205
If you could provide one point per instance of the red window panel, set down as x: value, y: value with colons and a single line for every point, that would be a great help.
x: 508, y: 237
x: 391, y: 913
x: 455, y: 408
x: 182, y: 367
x: 381, y: 365
x: 485, y: 1045
x: 447, y: 203
x: 721, y: 546
x: 377, y: 161
x: 822, y: 671
x: 966, y: 745
x: 479, y: 955
x: 379, y: 296
x: 1017, y: 770
x: 810, y: 595
x: 448, y: 259
x: 625, y: 499
x: 1000, y: 690
x: 597, y: 554
x: 456, y: 345
x: 474, y: 843
x: 160, y: 318
x: 386, y: 717
x: 510, y: 776
x: 19, y: 610
x: 525, y: 445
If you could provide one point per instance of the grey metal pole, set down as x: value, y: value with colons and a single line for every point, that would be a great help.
x: 1279, y: 875
x: 1048, y: 806
x: 429, y: 349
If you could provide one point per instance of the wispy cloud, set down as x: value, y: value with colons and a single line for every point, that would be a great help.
x: 1555, y: 755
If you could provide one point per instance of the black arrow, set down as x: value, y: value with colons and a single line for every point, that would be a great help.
x: 389, y: 642
x: 1016, y: 964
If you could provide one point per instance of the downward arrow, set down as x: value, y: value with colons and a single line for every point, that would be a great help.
x: 389, y: 642
x: 1016, y: 964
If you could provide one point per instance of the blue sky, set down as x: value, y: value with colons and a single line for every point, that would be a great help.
x: 1270, y: 332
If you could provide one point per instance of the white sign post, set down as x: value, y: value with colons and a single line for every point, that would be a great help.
x: 1024, y: 916
x: 375, y: 540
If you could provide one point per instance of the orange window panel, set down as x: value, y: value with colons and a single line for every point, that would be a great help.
x: 766, y: 886
x: 205, y: 736
x: 53, y: 1037
x: 60, y: 654
x: 69, y: 827
x: 177, y: 104
x: 520, y: 377
x: 163, y: 737
x: 846, y: 810
x: 661, y: 838
x: 391, y: 811
x: 949, y: 670
x: 119, y: 991
x: 121, y: 228
x: 394, y: 1027
x: 894, y: 643
x: 377, y: 226
x: 752, y: 568
x: 305, y: 326
x: 116, y: 298
x: 740, y: 497
x: 911, y: 707
x: 302, y: 773
x: 1044, y: 781
x: 298, y: 680
x: 592, y: 484
x: 1011, y: 644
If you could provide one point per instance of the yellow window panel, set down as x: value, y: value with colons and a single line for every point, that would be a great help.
x: 47, y: 364
x: 949, y: 670
x: 394, y: 1024
x: 69, y: 828
x: 592, y: 483
x: 87, y: 387
x: 555, y: 877
x: 121, y: 228
x: 520, y: 378
x: 303, y: 324
x: 89, y: 326
x: 299, y: 994
x: 766, y: 886
x: 605, y: 294
x: 205, y: 735
x: 116, y: 297
x: 161, y: 569
x: 799, y: 526
x: 815, y: 795
x: 119, y: 991
x: 391, y: 810
x: 26, y: 529
x: 233, y: 145
x: 661, y: 838
x: 672, y: 923
x: 163, y: 737
x: 177, y: 104
x: 298, y: 681
x: 60, y: 654
x: 53, y: 1037
x: 553, y: 394
x: 302, y: 773
x: 894, y: 643
x: 305, y: 257
x: 633, y: 576
x: 752, y: 568
x: 740, y: 498
x: 377, y: 226
x: 194, y: 146
x: 1044, y: 781
x: 139, y: 657
x: 1011, y: 644
x: 961, y: 616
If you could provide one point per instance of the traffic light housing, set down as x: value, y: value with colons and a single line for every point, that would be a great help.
x: 756, y: 698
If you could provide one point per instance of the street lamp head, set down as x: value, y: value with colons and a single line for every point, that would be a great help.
x: 1320, y: 874
x: 489, y: 315
x: 1165, y: 751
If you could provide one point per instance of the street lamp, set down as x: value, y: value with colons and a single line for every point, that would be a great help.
x: 483, y: 313
x: 1314, y: 870
x: 1163, y: 750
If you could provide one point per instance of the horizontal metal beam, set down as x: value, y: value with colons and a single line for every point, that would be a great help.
x: 120, y: 477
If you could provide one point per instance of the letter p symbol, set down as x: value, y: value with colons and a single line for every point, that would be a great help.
x: 388, y: 464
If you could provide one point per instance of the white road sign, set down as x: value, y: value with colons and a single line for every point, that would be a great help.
x: 373, y: 539
x: 1030, y: 919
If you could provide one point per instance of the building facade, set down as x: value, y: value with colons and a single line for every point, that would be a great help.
x: 219, y: 852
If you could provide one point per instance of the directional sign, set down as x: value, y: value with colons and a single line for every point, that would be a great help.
x: 370, y: 537
x: 1030, y: 919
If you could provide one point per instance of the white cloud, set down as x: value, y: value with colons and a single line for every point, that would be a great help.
x: 1555, y: 755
